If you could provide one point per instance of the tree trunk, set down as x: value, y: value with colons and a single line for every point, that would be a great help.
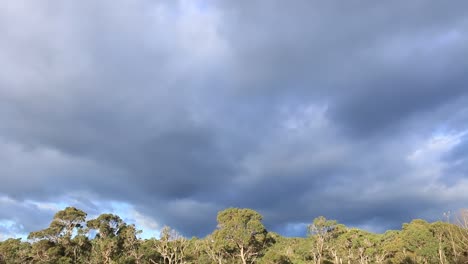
x: 244, y: 261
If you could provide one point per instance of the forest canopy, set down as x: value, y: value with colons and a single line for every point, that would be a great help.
x: 240, y: 237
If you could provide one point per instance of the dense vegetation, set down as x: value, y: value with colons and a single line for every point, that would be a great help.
x: 239, y: 238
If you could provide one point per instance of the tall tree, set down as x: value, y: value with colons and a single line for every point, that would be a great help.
x: 131, y: 243
x: 106, y: 225
x: 214, y: 249
x: 241, y: 231
x: 107, y: 243
x: 64, y: 223
x: 321, y: 230
x: 56, y: 241
x: 14, y: 251
x: 420, y: 241
x: 172, y: 246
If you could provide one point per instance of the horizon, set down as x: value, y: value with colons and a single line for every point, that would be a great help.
x: 303, y: 227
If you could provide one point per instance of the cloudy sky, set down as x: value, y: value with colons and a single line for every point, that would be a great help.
x: 166, y: 112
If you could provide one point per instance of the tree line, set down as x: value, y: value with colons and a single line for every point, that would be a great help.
x: 240, y: 237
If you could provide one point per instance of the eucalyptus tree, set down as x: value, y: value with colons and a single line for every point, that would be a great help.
x: 457, y: 233
x: 106, y: 246
x: 214, y: 249
x: 14, y: 251
x: 321, y: 231
x: 131, y: 243
x: 172, y: 246
x: 241, y: 233
x: 63, y: 225
x: 57, y: 241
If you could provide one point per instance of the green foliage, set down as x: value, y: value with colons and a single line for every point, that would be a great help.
x: 14, y: 251
x: 418, y: 237
x: 274, y: 257
x: 240, y: 237
x: 107, y: 225
x: 64, y: 223
x: 241, y: 233
x: 322, y: 231
x: 172, y: 246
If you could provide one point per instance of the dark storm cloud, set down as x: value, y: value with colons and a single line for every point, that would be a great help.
x: 23, y: 217
x: 396, y: 57
x: 296, y: 109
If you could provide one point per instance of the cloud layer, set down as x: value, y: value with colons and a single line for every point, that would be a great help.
x: 178, y: 109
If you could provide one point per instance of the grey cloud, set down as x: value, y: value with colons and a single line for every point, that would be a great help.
x: 25, y: 216
x: 379, y: 63
x: 296, y: 109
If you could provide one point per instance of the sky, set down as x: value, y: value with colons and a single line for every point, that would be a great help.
x: 166, y: 112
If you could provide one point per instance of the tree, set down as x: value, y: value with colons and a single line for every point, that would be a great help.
x: 55, y: 243
x: 457, y: 236
x: 45, y: 251
x: 321, y: 230
x: 420, y: 241
x: 64, y: 223
x: 107, y: 244
x: 172, y: 246
x: 14, y: 251
x: 107, y: 225
x: 80, y: 248
x: 131, y: 243
x: 214, y: 249
x: 242, y: 233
